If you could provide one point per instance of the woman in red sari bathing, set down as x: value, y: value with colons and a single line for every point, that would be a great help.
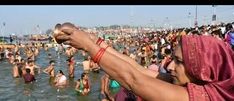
x: 202, y: 68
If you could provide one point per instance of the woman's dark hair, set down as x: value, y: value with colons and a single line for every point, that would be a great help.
x: 28, y: 70
x: 51, y: 61
x: 82, y: 75
x: 16, y: 60
x: 60, y: 71
x: 154, y: 56
x: 70, y: 58
x: 78, y: 79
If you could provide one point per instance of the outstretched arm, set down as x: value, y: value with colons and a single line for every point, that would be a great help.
x: 126, y: 74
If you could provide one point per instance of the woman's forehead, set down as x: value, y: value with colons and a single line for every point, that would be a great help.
x: 178, y: 51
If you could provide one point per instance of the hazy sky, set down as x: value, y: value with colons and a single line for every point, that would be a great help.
x: 24, y: 19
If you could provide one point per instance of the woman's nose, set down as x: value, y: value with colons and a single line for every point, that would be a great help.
x: 171, y: 66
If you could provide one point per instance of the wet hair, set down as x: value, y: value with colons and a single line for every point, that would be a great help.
x: 51, y: 61
x: 82, y: 75
x: 30, y: 61
x: 154, y: 56
x: 28, y: 70
x: 78, y: 79
x: 60, y: 71
x: 16, y: 60
x: 70, y: 58
x: 16, y: 53
x: 22, y: 60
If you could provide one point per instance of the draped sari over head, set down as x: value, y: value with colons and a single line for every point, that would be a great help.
x: 211, y: 61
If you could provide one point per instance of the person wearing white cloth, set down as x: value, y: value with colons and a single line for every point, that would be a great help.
x: 60, y: 80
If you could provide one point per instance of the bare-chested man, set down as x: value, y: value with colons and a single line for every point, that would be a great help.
x: 69, y: 51
x: 86, y: 65
x: 30, y: 53
x: 36, y: 51
x: 32, y: 67
x: 18, y: 57
x: 50, y: 69
x: 94, y: 67
x: 15, y: 69
x: 71, y: 66
x: 11, y: 58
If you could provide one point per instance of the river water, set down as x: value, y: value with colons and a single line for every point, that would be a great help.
x: 14, y: 89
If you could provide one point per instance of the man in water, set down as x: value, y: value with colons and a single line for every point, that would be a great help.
x: 15, y: 69
x: 71, y: 66
x: 32, y: 67
x: 69, y: 52
x: 50, y: 69
x: 28, y: 78
x: 18, y: 57
x: 86, y: 65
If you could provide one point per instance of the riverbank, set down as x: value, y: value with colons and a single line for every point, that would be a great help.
x: 7, y: 45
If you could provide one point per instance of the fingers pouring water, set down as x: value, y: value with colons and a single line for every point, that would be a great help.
x: 62, y: 38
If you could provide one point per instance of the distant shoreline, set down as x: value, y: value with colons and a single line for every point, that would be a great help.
x: 7, y: 45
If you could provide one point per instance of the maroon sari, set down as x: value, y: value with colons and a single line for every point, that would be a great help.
x: 211, y: 61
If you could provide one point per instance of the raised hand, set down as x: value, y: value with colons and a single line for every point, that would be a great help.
x: 69, y: 34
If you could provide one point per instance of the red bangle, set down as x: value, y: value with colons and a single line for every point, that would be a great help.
x: 98, y: 54
x: 99, y: 41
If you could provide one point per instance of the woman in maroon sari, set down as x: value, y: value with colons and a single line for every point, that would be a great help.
x: 211, y: 63
x: 202, y: 68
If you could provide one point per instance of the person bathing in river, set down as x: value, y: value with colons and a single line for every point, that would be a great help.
x: 50, y: 69
x: 28, y: 77
x: 60, y: 79
x: 71, y: 67
x: 83, y: 84
x: 32, y: 67
x: 105, y: 91
x: 15, y: 69
x: 86, y: 64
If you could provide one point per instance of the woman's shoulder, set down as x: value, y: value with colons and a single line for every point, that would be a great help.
x: 197, y: 92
